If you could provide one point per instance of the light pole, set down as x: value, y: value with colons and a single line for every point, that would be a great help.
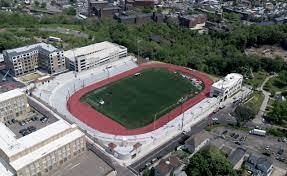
x: 182, y: 119
x: 154, y: 122
x: 138, y: 41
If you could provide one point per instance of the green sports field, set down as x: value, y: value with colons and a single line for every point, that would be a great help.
x: 135, y: 101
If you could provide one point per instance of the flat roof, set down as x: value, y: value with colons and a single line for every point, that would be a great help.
x: 39, y: 46
x: 5, y: 170
x: 11, y: 146
x: 10, y: 94
x: 46, y: 149
x: 230, y: 80
x: 94, y: 49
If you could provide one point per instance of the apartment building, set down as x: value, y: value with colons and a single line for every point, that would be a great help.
x: 13, y: 105
x: 91, y: 56
x: 29, y: 58
x: 227, y: 87
x: 41, y: 151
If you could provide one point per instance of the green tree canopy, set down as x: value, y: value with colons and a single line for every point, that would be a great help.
x: 209, y: 162
x: 278, y: 114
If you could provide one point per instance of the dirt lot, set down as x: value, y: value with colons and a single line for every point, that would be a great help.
x: 268, y: 51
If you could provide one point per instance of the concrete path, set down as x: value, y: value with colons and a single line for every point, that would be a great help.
x: 259, y: 117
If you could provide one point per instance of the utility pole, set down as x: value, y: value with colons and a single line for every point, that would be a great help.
x: 182, y: 119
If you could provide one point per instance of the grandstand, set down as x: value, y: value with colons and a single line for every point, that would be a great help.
x: 64, y: 91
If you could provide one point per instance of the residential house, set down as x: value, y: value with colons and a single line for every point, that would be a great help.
x: 168, y: 167
x: 259, y: 166
x: 197, y: 141
x: 237, y: 158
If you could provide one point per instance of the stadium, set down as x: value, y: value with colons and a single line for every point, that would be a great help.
x: 126, y: 108
x: 139, y: 100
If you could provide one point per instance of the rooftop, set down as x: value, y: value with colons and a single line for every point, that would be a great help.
x: 11, y: 146
x: 5, y: 170
x: 10, y: 94
x: 197, y: 139
x: 228, y: 81
x: 39, y: 46
x: 94, y: 50
x: 236, y: 156
x: 165, y: 166
x: 52, y: 146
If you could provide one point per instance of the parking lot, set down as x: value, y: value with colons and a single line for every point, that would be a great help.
x: 35, y: 122
x: 266, y: 146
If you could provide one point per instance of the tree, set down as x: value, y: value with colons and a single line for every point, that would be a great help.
x: 278, y: 114
x: 209, y: 162
x: 71, y: 11
x: 243, y: 114
x: 281, y: 80
x: 43, y: 5
x: 36, y: 3
x: 5, y: 3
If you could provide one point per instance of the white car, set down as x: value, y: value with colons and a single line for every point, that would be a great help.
x: 214, y: 119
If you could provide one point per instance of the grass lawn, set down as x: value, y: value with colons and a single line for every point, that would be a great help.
x: 135, y: 101
x: 272, y: 87
x: 255, y: 101
x: 258, y: 79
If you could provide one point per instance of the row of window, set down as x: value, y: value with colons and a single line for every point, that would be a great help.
x: 53, y: 159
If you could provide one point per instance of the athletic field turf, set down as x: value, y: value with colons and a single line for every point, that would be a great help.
x: 135, y: 101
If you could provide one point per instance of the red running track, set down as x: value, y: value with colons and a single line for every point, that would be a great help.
x: 102, y: 123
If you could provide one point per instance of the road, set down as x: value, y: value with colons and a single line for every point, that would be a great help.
x: 168, y: 147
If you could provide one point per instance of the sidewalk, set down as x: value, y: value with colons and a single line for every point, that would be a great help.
x: 259, y: 117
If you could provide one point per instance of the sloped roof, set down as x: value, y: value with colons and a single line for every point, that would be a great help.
x: 237, y: 155
x: 167, y: 165
x: 197, y: 139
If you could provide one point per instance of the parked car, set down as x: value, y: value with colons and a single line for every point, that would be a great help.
x: 154, y: 160
x: 224, y: 132
x: 281, y: 159
x: 266, y: 153
x: 280, y: 152
x: 44, y: 119
x: 31, y: 128
x: 243, y: 138
x: 237, y: 142
x: 26, y: 133
x: 147, y: 164
x: 236, y: 136
x: 22, y: 131
x: 22, y: 123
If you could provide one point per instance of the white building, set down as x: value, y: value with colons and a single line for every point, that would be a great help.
x: 13, y: 105
x: 94, y: 55
x: 1, y: 58
x: 227, y: 87
x: 41, y: 151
